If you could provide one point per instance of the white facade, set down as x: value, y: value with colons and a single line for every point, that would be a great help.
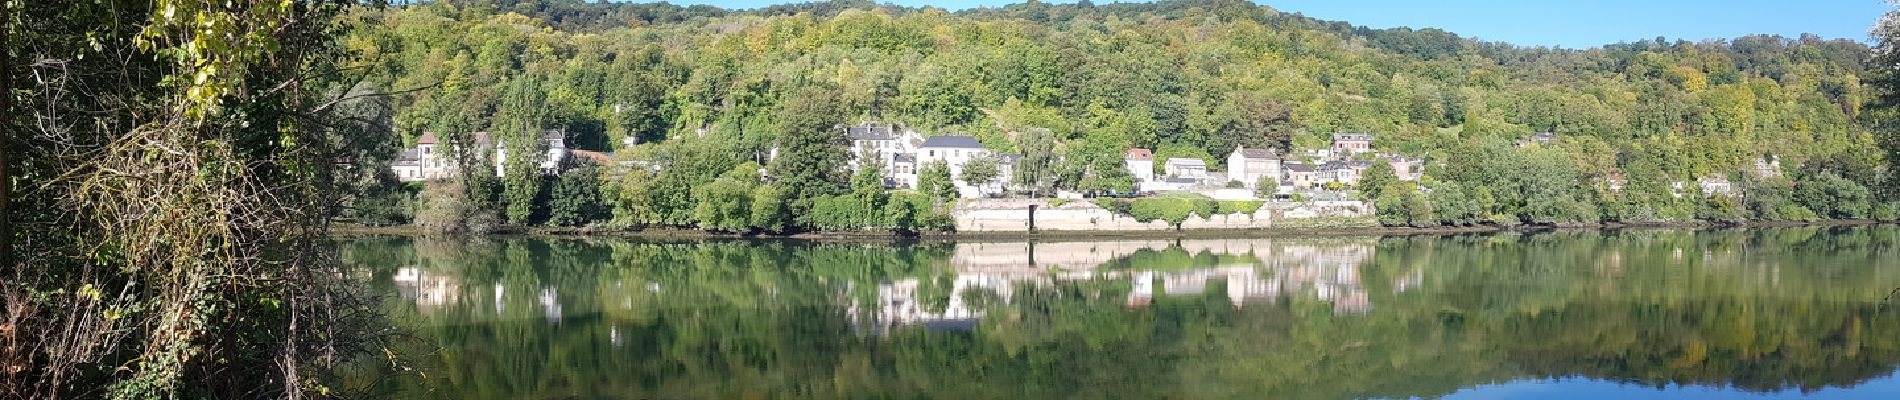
x: 1141, y: 165
x: 1249, y: 165
x: 432, y: 158
x: 1186, y: 168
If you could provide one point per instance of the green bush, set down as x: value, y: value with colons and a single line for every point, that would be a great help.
x: 1174, y: 211
x: 1239, y: 207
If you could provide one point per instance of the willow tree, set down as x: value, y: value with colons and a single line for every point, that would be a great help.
x: 175, y: 162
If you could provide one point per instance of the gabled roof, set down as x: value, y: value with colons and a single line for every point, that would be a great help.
x: 409, y: 157
x: 1352, y: 136
x: 1009, y: 158
x: 1333, y: 165
x: 952, y: 142
x: 903, y: 158
x: 1297, y: 167
x: 427, y: 138
x: 1187, y: 161
x: 1359, y: 164
x: 1257, y: 154
x: 871, y: 131
x: 1138, y: 154
x: 553, y: 134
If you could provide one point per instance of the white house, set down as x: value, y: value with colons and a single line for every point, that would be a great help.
x: 953, y: 151
x: 432, y: 158
x: 880, y: 142
x: 1186, y: 168
x: 1249, y: 165
x: 552, y: 144
x: 1140, y: 164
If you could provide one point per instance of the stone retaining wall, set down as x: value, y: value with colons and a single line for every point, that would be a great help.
x: 1012, y: 215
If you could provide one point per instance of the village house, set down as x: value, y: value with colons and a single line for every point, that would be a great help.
x: 880, y: 143
x: 1340, y: 171
x: 432, y: 158
x: 1716, y: 184
x: 1406, y: 168
x: 1248, y: 166
x: 1345, y: 144
x: 1140, y: 164
x: 1300, y: 175
x: 1180, y: 167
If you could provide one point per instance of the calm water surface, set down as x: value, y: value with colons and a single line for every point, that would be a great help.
x: 1779, y: 313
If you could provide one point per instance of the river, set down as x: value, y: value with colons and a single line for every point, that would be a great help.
x: 1758, y: 313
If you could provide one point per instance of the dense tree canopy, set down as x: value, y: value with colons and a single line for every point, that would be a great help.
x: 1190, y: 78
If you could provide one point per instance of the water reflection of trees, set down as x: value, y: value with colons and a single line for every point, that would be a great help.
x: 1759, y: 310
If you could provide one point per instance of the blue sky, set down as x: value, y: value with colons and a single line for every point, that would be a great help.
x: 1565, y: 23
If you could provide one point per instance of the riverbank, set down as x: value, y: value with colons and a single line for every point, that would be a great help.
x: 346, y: 230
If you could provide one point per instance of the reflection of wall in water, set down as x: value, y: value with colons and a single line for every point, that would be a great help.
x: 1278, y: 267
x: 427, y: 290
x: 433, y: 291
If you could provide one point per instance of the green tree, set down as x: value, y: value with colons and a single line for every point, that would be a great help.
x: 1832, y: 196
x: 981, y: 172
x: 811, y: 154
x: 934, y: 180
x: 770, y: 210
x: 1036, y: 171
x: 1378, y: 180
x: 576, y: 198
x: 726, y: 203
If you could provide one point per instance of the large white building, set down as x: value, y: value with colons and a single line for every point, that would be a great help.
x: 903, y: 154
x: 434, y: 158
x: 1249, y: 165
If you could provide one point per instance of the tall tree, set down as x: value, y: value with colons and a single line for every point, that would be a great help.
x: 811, y: 151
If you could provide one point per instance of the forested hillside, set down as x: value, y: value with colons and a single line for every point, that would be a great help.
x: 710, y: 89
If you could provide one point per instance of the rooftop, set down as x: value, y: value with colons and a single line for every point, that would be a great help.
x: 1298, y: 167
x: 1352, y: 136
x: 1187, y: 161
x: 952, y: 142
x: 1262, y: 154
x: 871, y: 131
x: 1139, y: 154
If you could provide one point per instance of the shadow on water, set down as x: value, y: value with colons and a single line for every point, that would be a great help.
x: 1755, y: 311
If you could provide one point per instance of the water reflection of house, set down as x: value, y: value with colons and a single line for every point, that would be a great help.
x: 427, y: 290
x: 1251, y: 271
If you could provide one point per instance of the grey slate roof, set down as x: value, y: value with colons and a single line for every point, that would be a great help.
x: 903, y: 158
x: 1352, y: 136
x: 1009, y: 158
x: 1297, y: 167
x: 870, y: 132
x: 1359, y: 164
x: 409, y: 157
x: 1333, y: 165
x: 1267, y: 154
x: 952, y: 142
x: 1196, y: 162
